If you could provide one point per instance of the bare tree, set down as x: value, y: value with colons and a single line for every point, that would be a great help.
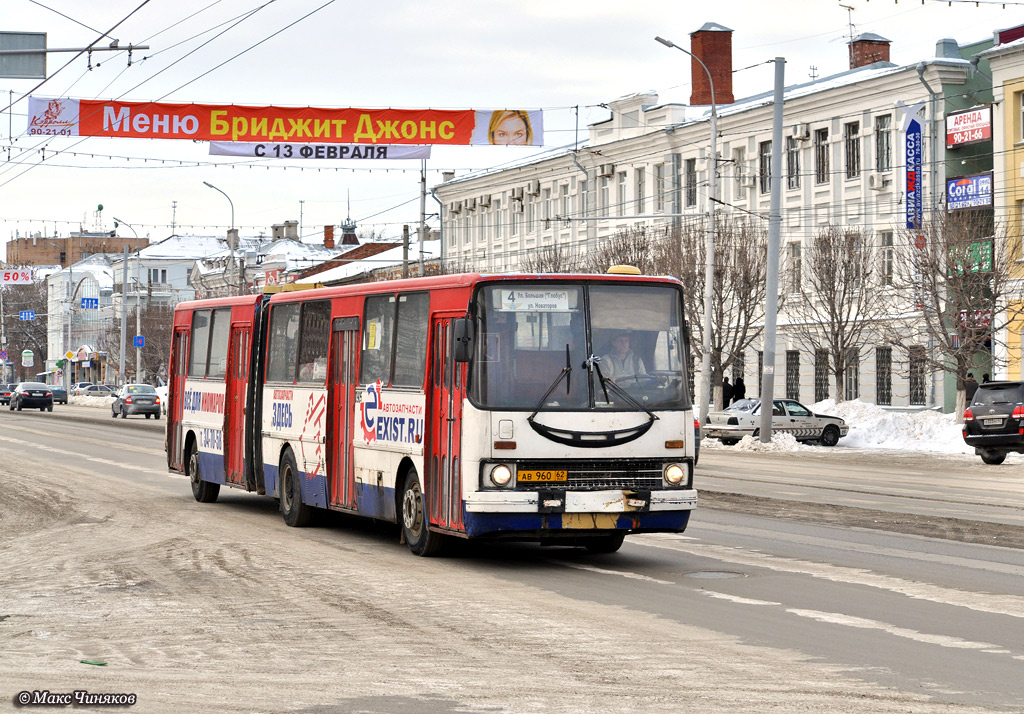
x: 956, y: 274
x: 737, y: 314
x: 631, y: 246
x: 26, y: 334
x: 157, y: 325
x: 554, y: 258
x: 841, y: 303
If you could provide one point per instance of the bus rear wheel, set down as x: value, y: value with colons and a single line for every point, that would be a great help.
x: 202, y: 491
x: 296, y: 513
x: 420, y: 539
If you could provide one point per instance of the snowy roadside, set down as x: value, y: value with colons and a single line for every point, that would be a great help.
x: 872, y: 429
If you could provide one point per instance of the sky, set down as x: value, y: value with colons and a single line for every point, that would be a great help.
x: 565, y: 57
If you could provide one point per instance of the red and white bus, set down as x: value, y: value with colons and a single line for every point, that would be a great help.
x: 473, y: 406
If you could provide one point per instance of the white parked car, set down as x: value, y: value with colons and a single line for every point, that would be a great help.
x: 789, y: 416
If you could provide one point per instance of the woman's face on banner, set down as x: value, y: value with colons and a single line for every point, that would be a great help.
x: 510, y: 130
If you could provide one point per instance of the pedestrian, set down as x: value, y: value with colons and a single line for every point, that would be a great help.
x: 971, y: 386
x: 739, y: 390
x: 726, y: 392
x: 984, y: 378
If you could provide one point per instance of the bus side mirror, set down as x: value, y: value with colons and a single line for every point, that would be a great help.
x: 462, y: 336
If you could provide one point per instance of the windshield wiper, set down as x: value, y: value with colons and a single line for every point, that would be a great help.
x: 594, y: 362
x: 564, y: 374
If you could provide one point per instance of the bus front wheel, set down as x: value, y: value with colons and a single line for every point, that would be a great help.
x: 605, y: 544
x: 202, y: 491
x: 420, y: 539
x: 295, y: 512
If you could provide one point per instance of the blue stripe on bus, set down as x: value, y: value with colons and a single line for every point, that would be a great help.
x: 375, y: 501
x: 478, y: 524
x: 211, y: 466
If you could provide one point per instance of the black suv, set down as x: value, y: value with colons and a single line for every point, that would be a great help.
x: 994, y: 422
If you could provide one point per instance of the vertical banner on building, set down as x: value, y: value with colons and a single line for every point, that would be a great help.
x: 915, y: 191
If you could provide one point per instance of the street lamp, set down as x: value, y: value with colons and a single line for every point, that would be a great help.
x: 709, y: 243
x: 138, y: 301
x: 232, y: 239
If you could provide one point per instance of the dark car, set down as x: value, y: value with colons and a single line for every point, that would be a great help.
x: 5, y: 392
x: 136, y: 399
x: 32, y: 395
x: 994, y: 422
x: 60, y: 395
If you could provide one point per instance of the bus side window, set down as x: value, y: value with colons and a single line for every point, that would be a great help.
x: 200, y: 343
x: 219, y: 333
x: 313, y: 342
x: 411, y: 331
x: 378, y: 330
x: 283, y: 343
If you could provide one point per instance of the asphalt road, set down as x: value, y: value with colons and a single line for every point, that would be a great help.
x: 783, y: 595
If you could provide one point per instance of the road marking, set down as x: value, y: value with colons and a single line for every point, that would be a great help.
x: 952, y: 560
x: 739, y: 600
x: 93, y: 459
x: 620, y: 573
x: 1009, y: 605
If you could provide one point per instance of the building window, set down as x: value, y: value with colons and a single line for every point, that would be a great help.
x: 883, y: 376
x: 793, y: 374
x: 851, y: 144
x: 584, y: 206
x: 821, y: 171
x: 691, y: 182
x: 917, y: 375
x: 740, y: 170
x: 820, y: 375
x: 888, y: 258
x: 498, y: 218
x: 765, y: 166
x: 620, y: 209
x: 883, y: 143
x: 563, y: 193
x: 548, y: 209
x: 605, y: 195
x: 641, y: 191
x: 659, y: 187
x: 1021, y: 95
x: 737, y: 367
x: 792, y: 162
x: 795, y: 267
x: 852, y: 377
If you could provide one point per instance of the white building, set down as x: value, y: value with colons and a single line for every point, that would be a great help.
x: 648, y: 164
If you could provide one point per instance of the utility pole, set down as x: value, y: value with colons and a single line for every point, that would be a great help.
x: 423, y: 212
x: 124, y: 316
x: 138, y: 314
x: 774, y: 238
x: 405, y: 251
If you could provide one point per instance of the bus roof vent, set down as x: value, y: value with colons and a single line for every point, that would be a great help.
x: 624, y: 270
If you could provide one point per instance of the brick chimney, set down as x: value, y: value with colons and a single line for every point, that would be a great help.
x: 867, y: 49
x: 713, y: 45
x: 328, y: 236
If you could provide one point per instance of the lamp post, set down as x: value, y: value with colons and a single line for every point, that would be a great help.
x: 709, y: 242
x: 138, y: 301
x: 232, y: 238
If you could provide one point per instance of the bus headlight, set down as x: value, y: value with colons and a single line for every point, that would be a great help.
x: 675, y: 474
x: 501, y: 475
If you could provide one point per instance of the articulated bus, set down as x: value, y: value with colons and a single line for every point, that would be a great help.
x: 552, y: 408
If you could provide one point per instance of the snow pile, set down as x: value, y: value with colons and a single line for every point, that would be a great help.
x: 83, y: 401
x: 872, y: 427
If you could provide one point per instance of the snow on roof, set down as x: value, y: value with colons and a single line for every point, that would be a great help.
x: 387, y: 259
x: 178, y: 247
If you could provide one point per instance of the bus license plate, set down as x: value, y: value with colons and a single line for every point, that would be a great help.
x: 535, y: 476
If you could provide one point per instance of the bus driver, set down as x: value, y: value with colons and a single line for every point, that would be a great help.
x: 621, y: 363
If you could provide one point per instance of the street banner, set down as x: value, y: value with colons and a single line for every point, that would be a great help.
x: 229, y: 122
x: 969, y: 192
x: 915, y: 192
x: 20, y: 276
x: 317, y: 151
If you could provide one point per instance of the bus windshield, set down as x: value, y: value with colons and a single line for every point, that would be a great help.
x: 595, y: 340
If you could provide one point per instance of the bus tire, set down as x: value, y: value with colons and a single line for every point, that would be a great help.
x: 414, y: 518
x: 605, y: 544
x: 296, y: 513
x: 202, y: 491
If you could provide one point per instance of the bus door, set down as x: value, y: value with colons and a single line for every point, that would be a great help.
x: 234, y: 403
x: 447, y: 387
x: 341, y: 484
x: 175, y: 392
